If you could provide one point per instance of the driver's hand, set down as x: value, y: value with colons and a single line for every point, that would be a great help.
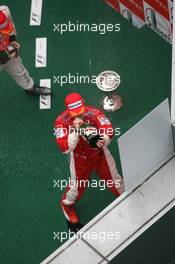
x: 78, y: 122
x: 100, y: 143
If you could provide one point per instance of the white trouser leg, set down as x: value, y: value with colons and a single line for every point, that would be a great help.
x: 19, y: 73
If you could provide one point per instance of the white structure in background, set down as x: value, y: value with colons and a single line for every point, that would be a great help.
x: 41, y: 53
x: 45, y: 100
x: 146, y: 146
x: 36, y: 12
x: 173, y: 74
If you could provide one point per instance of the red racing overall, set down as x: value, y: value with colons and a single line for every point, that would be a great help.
x: 83, y: 158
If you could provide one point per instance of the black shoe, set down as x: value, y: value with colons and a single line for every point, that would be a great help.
x: 39, y: 90
x: 74, y: 227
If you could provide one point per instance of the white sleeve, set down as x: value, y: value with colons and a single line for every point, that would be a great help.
x: 73, y: 139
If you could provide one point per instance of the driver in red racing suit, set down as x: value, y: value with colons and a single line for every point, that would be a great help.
x: 84, y: 159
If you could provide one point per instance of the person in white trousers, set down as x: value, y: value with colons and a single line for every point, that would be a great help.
x: 10, y: 60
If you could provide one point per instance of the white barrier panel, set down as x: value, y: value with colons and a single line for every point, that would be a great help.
x: 36, y: 12
x: 146, y: 146
x: 45, y: 100
x: 173, y: 74
x: 41, y: 53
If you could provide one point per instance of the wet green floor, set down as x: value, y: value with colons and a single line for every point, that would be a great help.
x: 29, y: 158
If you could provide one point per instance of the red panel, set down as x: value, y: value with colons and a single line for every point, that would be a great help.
x: 114, y: 4
x: 136, y: 6
x: 161, y: 6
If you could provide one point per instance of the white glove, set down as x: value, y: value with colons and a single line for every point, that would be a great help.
x: 12, y: 50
